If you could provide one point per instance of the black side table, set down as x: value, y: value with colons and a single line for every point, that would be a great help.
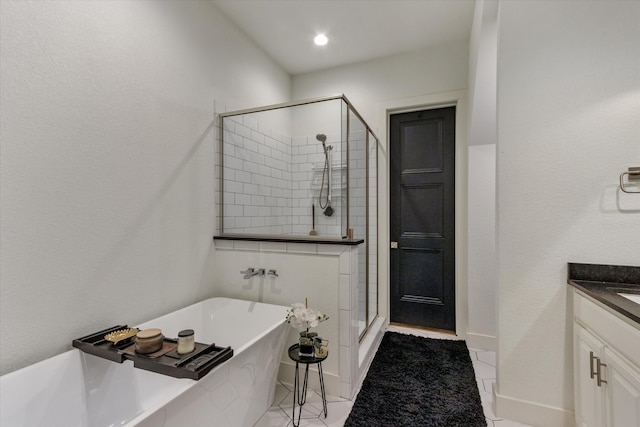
x: 300, y: 396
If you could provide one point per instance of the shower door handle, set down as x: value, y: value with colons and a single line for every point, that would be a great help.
x: 394, y: 245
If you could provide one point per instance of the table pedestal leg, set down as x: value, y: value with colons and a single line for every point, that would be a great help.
x: 324, y: 396
x: 300, y: 396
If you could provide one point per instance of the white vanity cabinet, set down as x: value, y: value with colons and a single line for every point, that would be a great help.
x: 589, y: 399
x: 623, y: 398
x: 606, y: 354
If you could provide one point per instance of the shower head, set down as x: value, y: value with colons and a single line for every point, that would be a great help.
x: 321, y: 137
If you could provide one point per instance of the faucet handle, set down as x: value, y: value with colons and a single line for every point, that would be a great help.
x: 249, y: 270
x: 272, y: 273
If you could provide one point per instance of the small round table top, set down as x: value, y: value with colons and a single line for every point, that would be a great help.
x: 295, y: 356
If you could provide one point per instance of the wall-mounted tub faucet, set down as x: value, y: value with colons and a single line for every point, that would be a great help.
x: 250, y: 272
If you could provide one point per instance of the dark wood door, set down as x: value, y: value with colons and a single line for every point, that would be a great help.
x: 422, y: 194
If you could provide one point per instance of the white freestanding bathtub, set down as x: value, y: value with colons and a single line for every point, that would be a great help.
x: 78, y: 389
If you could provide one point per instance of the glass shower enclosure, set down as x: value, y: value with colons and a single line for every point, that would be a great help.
x: 303, y: 171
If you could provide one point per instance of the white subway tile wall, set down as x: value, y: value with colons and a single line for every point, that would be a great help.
x: 256, y: 189
x: 310, y: 186
x: 272, y: 181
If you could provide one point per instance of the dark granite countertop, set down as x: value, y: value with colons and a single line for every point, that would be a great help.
x: 604, y: 282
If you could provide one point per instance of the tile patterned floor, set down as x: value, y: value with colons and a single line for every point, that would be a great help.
x: 484, y: 364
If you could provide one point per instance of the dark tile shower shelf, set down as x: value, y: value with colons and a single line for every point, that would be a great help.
x: 604, y: 282
x: 291, y: 239
x: 167, y: 361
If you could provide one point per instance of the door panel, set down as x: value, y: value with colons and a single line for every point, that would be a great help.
x: 422, y: 207
x: 422, y: 150
x: 417, y: 282
x: 422, y: 194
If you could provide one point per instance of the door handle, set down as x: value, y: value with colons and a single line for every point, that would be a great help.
x: 598, y: 371
x: 394, y: 245
x: 591, y: 359
x: 599, y: 366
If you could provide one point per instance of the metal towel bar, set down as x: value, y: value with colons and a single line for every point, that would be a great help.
x: 634, y: 175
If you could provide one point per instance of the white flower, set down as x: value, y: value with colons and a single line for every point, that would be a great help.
x: 301, y: 317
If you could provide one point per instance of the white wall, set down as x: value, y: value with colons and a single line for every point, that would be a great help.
x: 568, y: 109
x: 396, y: 82
x: 107, y: 209
x: 325, y: 275
x: 432, y: 70
x: 482, y: 256
x: 300, y: 275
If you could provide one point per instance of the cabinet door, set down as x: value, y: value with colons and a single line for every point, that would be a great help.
x: 589, y: 398
x: 623, y: 394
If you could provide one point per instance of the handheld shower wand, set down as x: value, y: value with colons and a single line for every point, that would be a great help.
x: 323, y: 139
x: 328, y: 210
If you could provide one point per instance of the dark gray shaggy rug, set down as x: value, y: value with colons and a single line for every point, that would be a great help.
x: 416, y: 381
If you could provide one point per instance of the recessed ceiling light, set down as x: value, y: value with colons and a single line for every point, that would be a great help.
x: 320, y: 40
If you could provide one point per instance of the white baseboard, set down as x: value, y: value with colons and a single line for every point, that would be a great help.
x: 481, y: 342
x: 531, y: 413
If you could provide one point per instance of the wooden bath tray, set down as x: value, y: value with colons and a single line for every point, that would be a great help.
x: 98, y: 346
x: 194, y: 365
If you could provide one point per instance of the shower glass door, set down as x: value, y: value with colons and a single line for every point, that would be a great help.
x: 372, y: 228
x: 284, y: 171
x: 304, y: 170
x: 363, y: 214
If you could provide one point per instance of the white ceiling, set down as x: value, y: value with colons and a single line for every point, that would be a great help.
x: 358, y: 30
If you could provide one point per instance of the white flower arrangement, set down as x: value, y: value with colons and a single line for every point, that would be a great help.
x: 302, y: 317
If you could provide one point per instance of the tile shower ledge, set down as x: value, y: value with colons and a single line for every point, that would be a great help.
x: 604, y: 282
x: 290, y: 239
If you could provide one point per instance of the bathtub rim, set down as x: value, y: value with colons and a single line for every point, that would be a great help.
x: 192, y: 383
x: 178, y: 385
